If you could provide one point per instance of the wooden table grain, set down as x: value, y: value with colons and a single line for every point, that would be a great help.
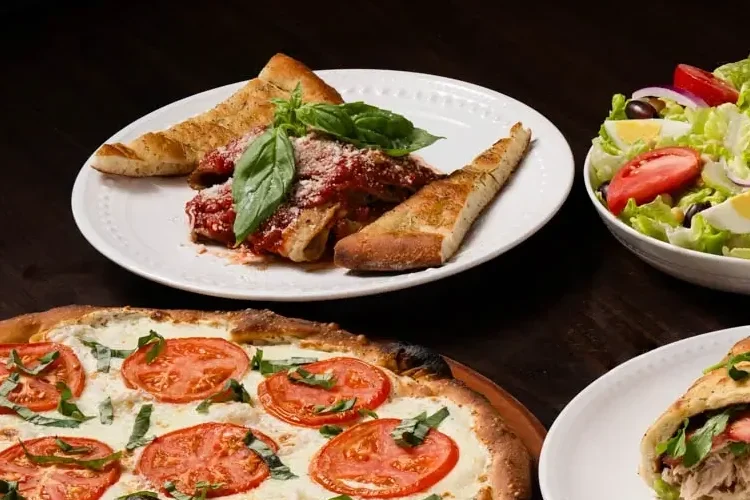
x: 543, y: 320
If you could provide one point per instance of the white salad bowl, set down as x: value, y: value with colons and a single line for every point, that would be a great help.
x: 729, y: 274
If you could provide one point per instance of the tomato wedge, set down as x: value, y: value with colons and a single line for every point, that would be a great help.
x: 54, y: 481
x: 296, y: 403
x: 366, y: 461
x: 650, y: 174
x: 705, y: 85
x: 212, y: 452
x: 38, y: 392
x: 186, y: 370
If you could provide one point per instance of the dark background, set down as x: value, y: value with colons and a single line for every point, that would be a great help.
x: 543, y: 320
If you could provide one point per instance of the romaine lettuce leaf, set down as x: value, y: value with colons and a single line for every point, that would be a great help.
x: 743, y: 103
x: 652, y: 219
x: 665, y: 491
x: 673, y: 111
x: 700, y: 195
x: 617, y: 112
x: 739, y: 252
x: 735, y: 73
x: 700, y: 236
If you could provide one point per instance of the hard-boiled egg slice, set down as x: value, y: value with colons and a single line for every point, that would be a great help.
x: 732, y: 214
x: 624, y: 133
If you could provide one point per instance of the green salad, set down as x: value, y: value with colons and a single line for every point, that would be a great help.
x: 673, y: 162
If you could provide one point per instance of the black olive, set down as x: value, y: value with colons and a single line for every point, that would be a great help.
x: 603, y: 189
x: 639, y: 110
x: 692, y: 210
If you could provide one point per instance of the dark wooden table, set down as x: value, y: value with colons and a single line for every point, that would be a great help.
x: 543, y: 320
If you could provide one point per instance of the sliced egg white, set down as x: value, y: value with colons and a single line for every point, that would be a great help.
x: 732, y: 214
x: 625, y: 133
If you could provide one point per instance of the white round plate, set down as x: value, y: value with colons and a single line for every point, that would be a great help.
x: 592, y: 451
x: 141, y: 225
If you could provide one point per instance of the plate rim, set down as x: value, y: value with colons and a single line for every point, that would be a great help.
x: 410, y: 280
x: 546, y: 468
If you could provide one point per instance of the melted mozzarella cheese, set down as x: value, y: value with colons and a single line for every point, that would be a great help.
x: 297, y: 445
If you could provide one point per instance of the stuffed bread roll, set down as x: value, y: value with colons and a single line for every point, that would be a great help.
x: 699, y: 449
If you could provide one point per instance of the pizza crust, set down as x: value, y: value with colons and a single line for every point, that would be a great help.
x: 510, y: 471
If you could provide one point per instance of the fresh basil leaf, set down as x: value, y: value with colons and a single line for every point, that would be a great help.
x: 262, y: 177
x: 366, y: 412
x: 330, y: 430
x: 35, y: 418
x: 16, y: 362
x: 70, y: 449
x: 142, y: 423
x: 277, y: 468
x: 412, y: 431
x: 285, y: 115
x: 416, y: 140
x: 739, y: 449
x: 433, y: 497
x: 104, y: 354
x: 271, y: 366
x: 201, y: 489
x: 93, y: 464
x: 699, y: 444
x: 233, y: 391
x: 734, y: 372
x: 9, y: 490
x: 328, y: 118
x: 675, y: 446
x: 138, y: 495
x: 9, y: 384
x: 106, y: 413
x: 341, y: 497
x: 158, y: 345
x: 66, y: 407
x: 337, y: 407
x: 302, y: 376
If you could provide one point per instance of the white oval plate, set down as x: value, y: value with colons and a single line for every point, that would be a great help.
x: 140, y: 224
x: 592, y: 451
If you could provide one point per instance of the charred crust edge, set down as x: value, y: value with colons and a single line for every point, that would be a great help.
x: 416, y: 360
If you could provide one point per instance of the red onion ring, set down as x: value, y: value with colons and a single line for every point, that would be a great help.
x: 681, y: 97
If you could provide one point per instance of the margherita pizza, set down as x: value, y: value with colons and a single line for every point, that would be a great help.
x: 99, y: 403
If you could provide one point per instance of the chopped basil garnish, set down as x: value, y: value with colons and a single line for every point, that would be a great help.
x: 277, y: 468
x: 142, y: 423
x: 158, y: 345
x: 9, y: 490
x: 106, y: 413
x: 9, y: 384
x: 676, y: 445
x: 336, y: 407
x: 341, y: 497
x: 271, y: 366
x: 93, y: 464
x: 66, y: 407
x: 34, y: 418
x: 201, y: 489
x: 70, y: 449
x: 330, y: 430
x: 46, y: 360
x: 433, y: 497
x: 366, y: 412
x: 233, y: 391
x: 104, y: 354
x: 739, y: 449
x: 136, y: 495
x: 412, y: 431
x: 302, y: 376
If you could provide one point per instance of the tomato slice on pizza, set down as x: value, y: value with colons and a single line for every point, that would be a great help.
x: 367, y: 462
x: 352, y: 384
x: 58, y: 481
x: 186, y: 369
x: 211, y: 453
x: 37, y: 391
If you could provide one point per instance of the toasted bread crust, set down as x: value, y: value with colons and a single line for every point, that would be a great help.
x: 427, y: 229
x: 510, y: 473
x: 177, y: 150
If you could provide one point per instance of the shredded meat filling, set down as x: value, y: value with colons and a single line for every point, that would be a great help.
x: 721, y: 476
